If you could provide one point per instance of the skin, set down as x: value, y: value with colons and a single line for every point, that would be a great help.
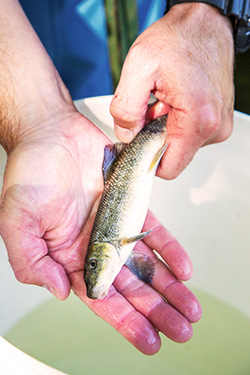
x: 51, y: 188
x: 186, y: 60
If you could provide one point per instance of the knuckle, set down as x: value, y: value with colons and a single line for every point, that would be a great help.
x: 119, y: 109
x: 138, y: 51
x: 225, y: 133
x: 211, y: 122
x: 126, y: 112
x: 219, y: 126
x: 21, y: 275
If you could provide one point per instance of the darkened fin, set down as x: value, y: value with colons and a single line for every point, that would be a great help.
x: 142, y: 266
x: 110, y: 153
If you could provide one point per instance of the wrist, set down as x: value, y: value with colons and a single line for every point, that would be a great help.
x: 25, y: 110
x: 31, y: 91
x: 236, y: 11
x: 201, y: 23
x: 200, y: 12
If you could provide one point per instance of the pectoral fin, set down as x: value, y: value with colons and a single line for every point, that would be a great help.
x: 158, y: 157
x: 110, y: 153
x: 120, y: 242
x: 142, y: 266
x: 136, y: 238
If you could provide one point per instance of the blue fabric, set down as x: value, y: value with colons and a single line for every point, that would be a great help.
x: 75, y: 36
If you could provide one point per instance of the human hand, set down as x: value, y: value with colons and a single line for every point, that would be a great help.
x: 140, y: 311
x: 53, y: 179
x: 186, y: 60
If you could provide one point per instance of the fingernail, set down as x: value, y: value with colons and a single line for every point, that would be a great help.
x: 123, y: 134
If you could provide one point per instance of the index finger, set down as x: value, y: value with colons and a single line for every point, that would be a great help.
x: 167, y: 246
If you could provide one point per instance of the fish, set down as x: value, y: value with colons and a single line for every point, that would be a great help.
x: 128, y: 171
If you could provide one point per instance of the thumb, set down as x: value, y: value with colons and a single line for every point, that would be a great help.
x: 29, y: 259
x: 130, y: 101
x: 28, y: 252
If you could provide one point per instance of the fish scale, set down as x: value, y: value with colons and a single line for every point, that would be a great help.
x: 124, y: 202
x: 118, y: 187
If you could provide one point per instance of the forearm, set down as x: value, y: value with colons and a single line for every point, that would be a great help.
x: 31, y: 90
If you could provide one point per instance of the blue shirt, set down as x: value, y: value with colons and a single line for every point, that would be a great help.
x: 75, y: 36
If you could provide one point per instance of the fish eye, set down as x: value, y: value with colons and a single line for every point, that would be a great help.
x: 93, y: 264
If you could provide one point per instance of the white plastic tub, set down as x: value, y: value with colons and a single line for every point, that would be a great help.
x: 208, y: 209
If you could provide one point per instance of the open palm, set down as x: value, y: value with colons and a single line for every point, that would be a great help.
x: 51, y: 186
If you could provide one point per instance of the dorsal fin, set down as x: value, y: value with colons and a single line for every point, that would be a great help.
x: 110, y: 153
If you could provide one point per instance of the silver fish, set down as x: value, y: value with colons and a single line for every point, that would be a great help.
x: 128, y: 174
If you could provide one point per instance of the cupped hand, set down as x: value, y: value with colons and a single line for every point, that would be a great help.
x: 52, y: 181
x: 186, y: 60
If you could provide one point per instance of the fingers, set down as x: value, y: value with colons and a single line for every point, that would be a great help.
x: 170, y: 306
x: 166, y: 283
x: 197, y: 96
x: 29, y: 259
x: 152, y: 305
x: 188, y: 132
x: 156, y: 109
x: 224, y: 131
x: 27, y: 251
x: 137, y: 310
x: 199, y: 122
x: 166, y: 245
x: 120, y: 314
x: 130, y: 101
x: 114, y: 309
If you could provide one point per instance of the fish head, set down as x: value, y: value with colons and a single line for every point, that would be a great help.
x: 100, y: 269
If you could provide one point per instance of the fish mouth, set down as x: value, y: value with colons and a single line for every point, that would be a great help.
x: 96, y: 293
